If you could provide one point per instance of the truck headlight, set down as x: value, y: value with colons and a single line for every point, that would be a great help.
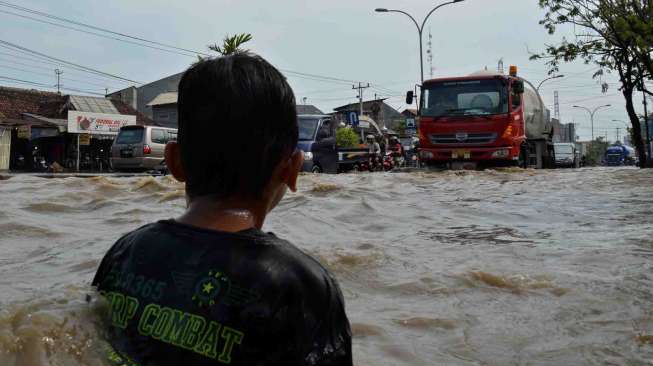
x: 308, y: 155
x: 503, y: 153
x: 426, y: 154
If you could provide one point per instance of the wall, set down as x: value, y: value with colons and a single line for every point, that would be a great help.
x: 165, y: 115
x: 148, y: 92
x: 5, y: 148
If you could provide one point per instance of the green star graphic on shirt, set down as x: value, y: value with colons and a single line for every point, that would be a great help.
x: 208, y: 287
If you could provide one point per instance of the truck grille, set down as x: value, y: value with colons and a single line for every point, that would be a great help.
x: 461, y: 138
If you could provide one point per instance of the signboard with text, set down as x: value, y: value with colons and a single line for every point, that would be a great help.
x: 84, y: 139
x: 98, y: 123
x: 24, y: 132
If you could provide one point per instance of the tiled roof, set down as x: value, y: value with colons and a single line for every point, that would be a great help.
x: 308, y: 109
x: 15, y: 102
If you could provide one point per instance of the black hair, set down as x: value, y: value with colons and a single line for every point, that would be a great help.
x: 237, y: 121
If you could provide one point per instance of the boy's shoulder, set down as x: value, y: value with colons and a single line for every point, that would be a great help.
x: 281, y: 259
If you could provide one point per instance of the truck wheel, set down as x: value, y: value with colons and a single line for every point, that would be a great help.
x: 316, y: 169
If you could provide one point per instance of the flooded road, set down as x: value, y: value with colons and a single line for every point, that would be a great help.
x: 455, y: 268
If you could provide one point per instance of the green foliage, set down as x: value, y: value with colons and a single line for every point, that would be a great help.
x: 231, y: 45
x: 596, y: 150
x: 615, y: 35
x: 346, y: 137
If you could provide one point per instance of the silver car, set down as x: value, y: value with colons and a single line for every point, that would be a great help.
x: 141, y: 148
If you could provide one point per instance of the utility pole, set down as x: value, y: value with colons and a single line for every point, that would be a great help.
x: 58, y: 72
x: 618, y: 139
x: 360, y: 88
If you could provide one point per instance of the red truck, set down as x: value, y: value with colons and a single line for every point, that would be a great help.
x: 483, y: 120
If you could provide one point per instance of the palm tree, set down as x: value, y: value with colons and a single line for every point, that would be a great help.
x: 231, y: 45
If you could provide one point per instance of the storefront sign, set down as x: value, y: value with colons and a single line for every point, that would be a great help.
x: 84, y: 139
x: 24, y: 132
x: 98, y: 123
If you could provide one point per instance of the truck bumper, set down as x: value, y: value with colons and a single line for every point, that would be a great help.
x: 478, y: 154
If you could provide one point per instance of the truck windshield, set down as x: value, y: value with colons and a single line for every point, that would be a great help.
x: 307, y: 128
x: 464, y: 98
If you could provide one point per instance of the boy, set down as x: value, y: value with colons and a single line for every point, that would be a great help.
x: 210, y: 287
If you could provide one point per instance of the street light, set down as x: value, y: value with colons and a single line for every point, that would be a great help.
x: 419, y: 29
x: 591, y: 112
x: 547, y: 79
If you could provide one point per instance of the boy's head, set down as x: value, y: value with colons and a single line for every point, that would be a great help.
x: 238, y: 130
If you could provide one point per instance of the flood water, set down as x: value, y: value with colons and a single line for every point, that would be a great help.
x: 454, y: 268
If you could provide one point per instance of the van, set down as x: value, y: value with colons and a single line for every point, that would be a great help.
x: 566, y: 155
x: 141, y: 148
x: 317, y: 139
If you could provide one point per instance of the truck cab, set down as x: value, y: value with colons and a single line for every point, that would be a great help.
x: 485, y: 119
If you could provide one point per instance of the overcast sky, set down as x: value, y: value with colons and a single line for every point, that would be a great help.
x: 342, y: 39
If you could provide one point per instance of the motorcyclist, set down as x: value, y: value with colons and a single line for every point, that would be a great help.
x: 374, y: 150
x: 397, y: 150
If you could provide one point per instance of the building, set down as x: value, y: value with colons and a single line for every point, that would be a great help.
x: 563, y: 132
x: 164, y: 109
x: 158, y: 100
x: 34, y: 126
x: 409, y: 113
x: 377, y: 109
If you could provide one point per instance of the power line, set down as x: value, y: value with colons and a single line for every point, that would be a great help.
x: 68, y: 68
x: 44, y: 74
x: 95, y: 34
x: 27, y: 50
x: 33, y: 83
x: 61, y: 19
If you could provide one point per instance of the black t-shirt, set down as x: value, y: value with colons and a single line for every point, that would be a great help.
x: 181, y: 295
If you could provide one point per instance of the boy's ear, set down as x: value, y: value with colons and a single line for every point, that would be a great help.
x: 293, y: 168
x: 173, y: 161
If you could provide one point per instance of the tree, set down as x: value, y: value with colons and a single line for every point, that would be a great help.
x: 231, y: 45
x: 346, y: 137
x: 609, y: 39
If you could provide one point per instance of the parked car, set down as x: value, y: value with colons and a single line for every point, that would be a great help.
x: 317, y: 139
x: 141, y: 148
x: 566, y: 155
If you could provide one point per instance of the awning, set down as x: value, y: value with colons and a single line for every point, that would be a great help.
x: 164, y: 98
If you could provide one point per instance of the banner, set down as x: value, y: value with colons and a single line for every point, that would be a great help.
x: 98, y: 123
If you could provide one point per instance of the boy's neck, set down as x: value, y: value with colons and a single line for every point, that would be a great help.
x: 227, y: 215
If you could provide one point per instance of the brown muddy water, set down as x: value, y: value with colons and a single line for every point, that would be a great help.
x: 453, y: 268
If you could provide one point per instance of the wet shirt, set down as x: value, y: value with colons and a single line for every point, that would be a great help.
x: 180, y: 295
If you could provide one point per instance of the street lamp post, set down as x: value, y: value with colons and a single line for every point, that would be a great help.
x: 420, y: 29
x: 547, y: 79
x: 591, y: 112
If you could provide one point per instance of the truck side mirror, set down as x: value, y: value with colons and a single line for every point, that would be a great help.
x: 518, y: 86
x: 409, y: 97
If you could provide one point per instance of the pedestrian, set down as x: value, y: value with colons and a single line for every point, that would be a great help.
x: 210, y: 287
